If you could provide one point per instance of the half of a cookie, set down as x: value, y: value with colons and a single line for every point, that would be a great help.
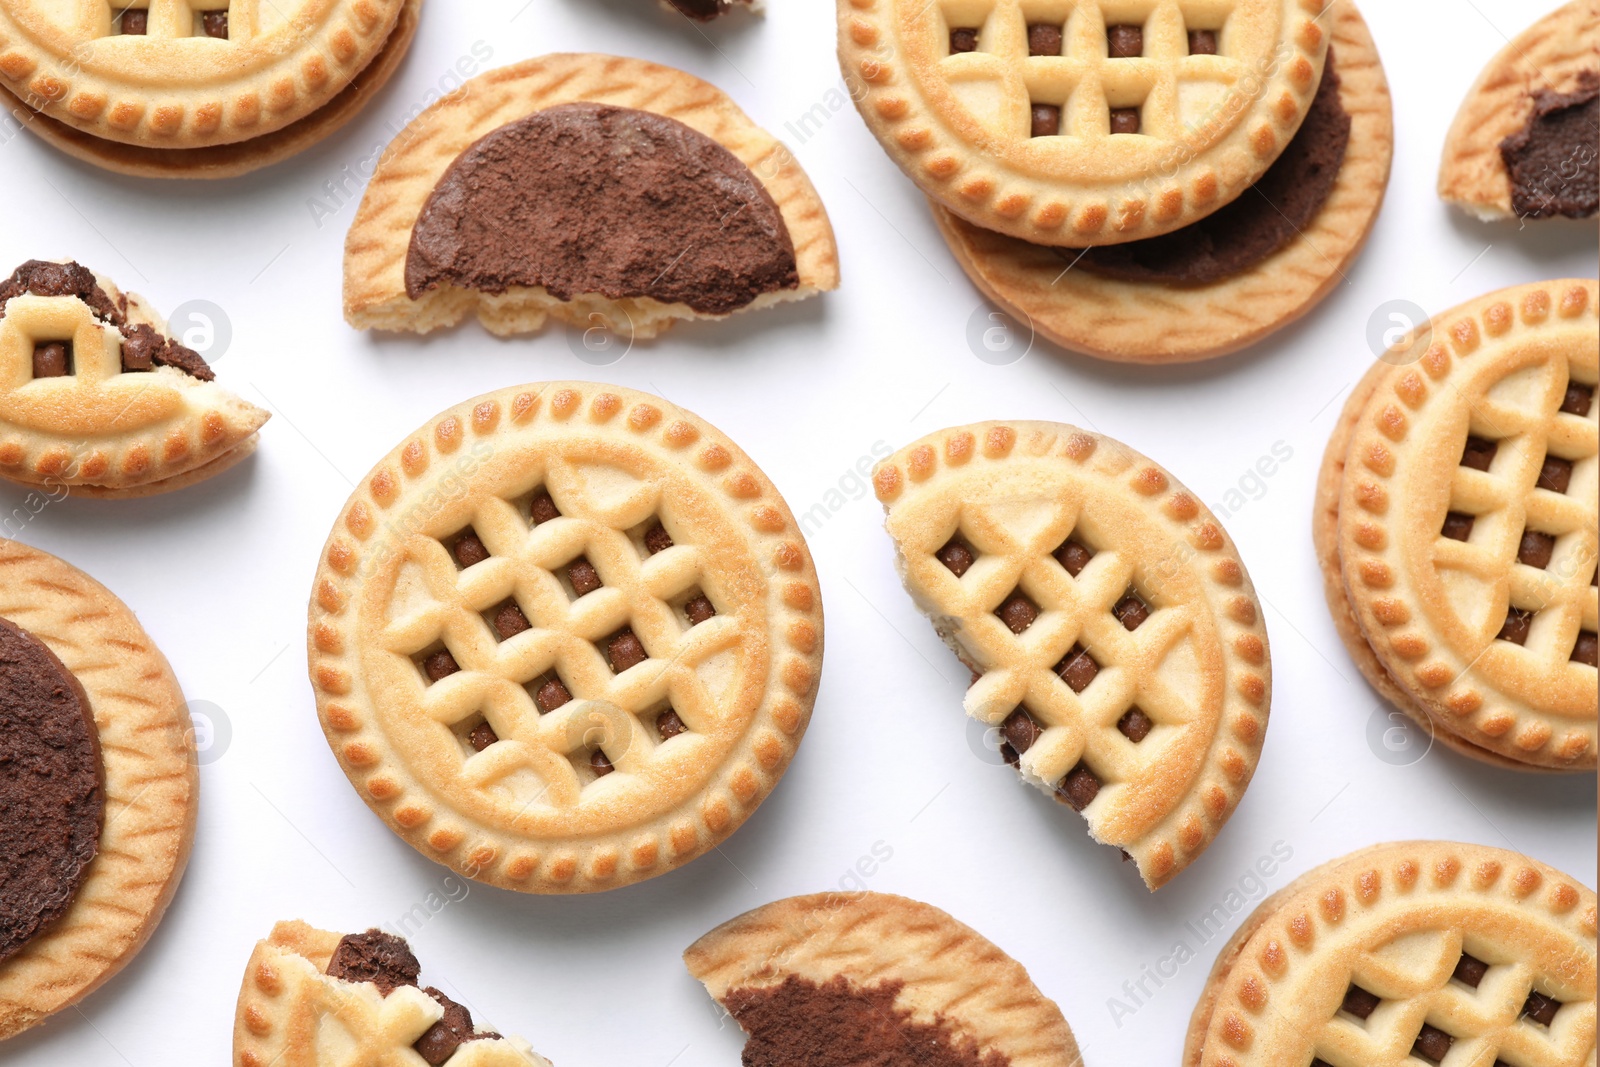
x: 1082, y: 122
x: 565, y: 637
x: 1456, y: 525
x: 139, y: 86
x: 1244, y: 271
x: 97, y: 399
x: 600, y: 191
x: 839, y: 979
x: 1113, y: 634
x: 98, y: 784
x: 1413, y: 953
x: 1523, y: 144
x: 315, y: 999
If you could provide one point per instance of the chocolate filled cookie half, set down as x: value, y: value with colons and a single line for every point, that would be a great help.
x: 1114, y: 637
x: 98, y: 399
x: 1456, y: 525
x: 601, y: 191
x: 565, y: 637
x: 1420, y: 952
x: 839, y: 979
x: 1245, y: 270
x: 1524, y: 144
x: 315, y: 999
x: 98, y: 783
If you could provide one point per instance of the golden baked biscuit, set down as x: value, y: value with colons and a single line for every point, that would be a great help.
x: 1114, y: 637
x: 565, y: 637
x: 1456, y: 526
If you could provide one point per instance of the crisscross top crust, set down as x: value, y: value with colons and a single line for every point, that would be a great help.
x: 565, y: 638
x: 173, y: 83
x: 1154, y: 112
x: 1468, y: 522
x: 1161, y: 619
x: 1409, y: 953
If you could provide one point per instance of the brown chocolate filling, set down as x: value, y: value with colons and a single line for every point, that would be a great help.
x: 143, y: 346
x: 593, y: 199
x: 839, y: 1024
x: 1264, y: 218
x: 1552, y: 161
x: 386, y: 961
x: 705, y: 10
x: 52, y: 788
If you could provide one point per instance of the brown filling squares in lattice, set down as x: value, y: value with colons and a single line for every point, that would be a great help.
x: 549, y: 692
x: 656, y: 539
x: 1518, y: 622
x: 963, y: 39
x: 1020, y: 731
x: 1044, y: 120
x: 1131, y: 610
x: 1079, y: 788
x: 698, y: 608
x: 669, y: 724
x: 507, y: 620
x: 1124, y: 42
x: 1017, y: 611
x: 1202, y: 42
x: 599, y: 764
x: 477, y: 733
x: 1535, y: 549
x: 1540, y: 1008
x: 467, y: 548
x: 1457, y: 525
x: 1470, y: 970
x: 957, y: 555
x: 1586, y: 649
x: 1432, y: 1044
x: 1044, y: 39
x: 1555, y: 474
x: 623, y: 650
x: 1125, y: 120
x: 53, y: 359
x: 581, y: 577
x: 1578, y: 399
x: 1073, y: 555
x: 541, y: 508
x: 1479, y: 452
x: 1135, y: 725
x: 1359, y: 1003
x: 133, y: 22
x: 212, y: 24
x: 1078, y: 668
x: 436, y: 663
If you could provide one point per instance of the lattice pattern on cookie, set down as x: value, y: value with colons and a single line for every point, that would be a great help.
x: 1090, y: 70
x: 1121, y: 658
x: 570, y: 636
x: 217, y: 19
x: 1492, y: 623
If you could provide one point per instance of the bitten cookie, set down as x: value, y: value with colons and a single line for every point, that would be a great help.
x: 196, y: 88
x: 601, y: 191
x: 97, y: 399
x: 1456, y: 526
x: 315, y: 999
x: 1083, y: 123
x: 1419, y: 952
x: 1241, y: 273
x: 1523, y: 144
x: 839, y: 979
x: 98, y: 783
x: 565, y: 637
x: 1113, y: 634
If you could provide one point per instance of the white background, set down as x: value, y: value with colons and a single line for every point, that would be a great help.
x: 221, y: 574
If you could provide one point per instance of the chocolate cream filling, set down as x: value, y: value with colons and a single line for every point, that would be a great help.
x: 1264, y: 218
x: 704, y: 10
x: 386, y: 961
x: 1552, y: 162
x: 143, y: 346
x: 52, y: 788
x: 591, y: 199
x: 840, y: 1024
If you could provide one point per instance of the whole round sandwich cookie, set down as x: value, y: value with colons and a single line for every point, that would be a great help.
x: 1456, y: 524
x: 196, y: 88
x: 603, y: 192
x: 98, y: 782
x: 839, y: 979
x: 565, y: 637
x: 311, y: 998
x: 1523, y: 144
x: 1251, y: 266
x: 1113, y: 635
x: 98, y: 399
x: 1420, y: 952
